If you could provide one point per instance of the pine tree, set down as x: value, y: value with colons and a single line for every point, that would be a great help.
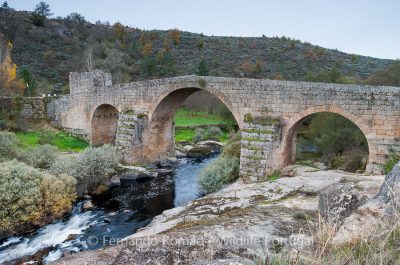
x: 202, y: 69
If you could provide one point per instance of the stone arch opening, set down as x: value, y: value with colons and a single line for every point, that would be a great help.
x: 342, y: 139
x: 161, y: 137
x: 104, y: 125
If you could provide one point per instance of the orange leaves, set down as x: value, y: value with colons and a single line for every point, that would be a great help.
x: 175, y: 36
x: 8, y: 70
x: 147, y: 49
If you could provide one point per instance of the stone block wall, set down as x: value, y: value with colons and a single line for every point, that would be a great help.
x: 27, y: 108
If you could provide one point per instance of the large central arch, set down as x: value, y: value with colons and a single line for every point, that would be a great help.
x: 161, y: 137
x: 288, y: 152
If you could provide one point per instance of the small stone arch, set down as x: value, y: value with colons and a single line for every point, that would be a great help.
x: 291, y: 127
x: 104, y: 124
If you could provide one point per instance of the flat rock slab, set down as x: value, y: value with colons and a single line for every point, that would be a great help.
x: 231, y: 225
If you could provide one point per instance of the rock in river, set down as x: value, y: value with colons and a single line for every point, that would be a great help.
x: 199, y: 151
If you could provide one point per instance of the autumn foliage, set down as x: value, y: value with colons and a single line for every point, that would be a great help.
x: 175, y: 36
x: 9, y: 83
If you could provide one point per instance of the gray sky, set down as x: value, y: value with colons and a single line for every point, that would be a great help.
x: 366, y: 27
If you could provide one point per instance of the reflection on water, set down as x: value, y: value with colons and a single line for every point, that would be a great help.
x: 128, y: 209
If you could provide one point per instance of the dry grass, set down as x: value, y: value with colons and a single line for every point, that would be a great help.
x: 382, y: 248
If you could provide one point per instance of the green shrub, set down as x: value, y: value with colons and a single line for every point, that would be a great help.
x: 62, y: 165
x: 30, y: 196
x: 275, y: 175
x: 8, y: 143
x: 20, y: 194
x: 222, y: 171
x: 393, y: 159
x: 95, y: 166
x: 199, y: 135
x: 213, y: 133
x: 233, y: 146
x: 42, y: 156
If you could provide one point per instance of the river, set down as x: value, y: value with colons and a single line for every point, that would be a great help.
x: 122, y: 214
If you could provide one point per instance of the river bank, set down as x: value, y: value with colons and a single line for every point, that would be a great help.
x: 243, y: 223
x: 125, y: 209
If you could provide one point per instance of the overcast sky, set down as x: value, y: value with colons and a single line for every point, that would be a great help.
x: 366, y: 27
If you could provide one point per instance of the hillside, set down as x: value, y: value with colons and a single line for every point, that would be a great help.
x: 63, y: 45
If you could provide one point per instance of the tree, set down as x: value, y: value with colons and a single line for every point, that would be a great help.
x: 41, y: 12
x: 257, y: 68
x: 25, y: 75
x: 386, y: 77
x: 147, y: 49
x: 202, y: 69
x: 175, y: 36
x: 77, y: 18
x: 328, y: 76
x: 166, y: 63
x: 120, y: 31
x: 148, y: 66
x: 200, y: 44
x: 247, y: 68
x: 43, y: 9
x: 88, y: 60
x: 5, y: 5
x: 8, y: 70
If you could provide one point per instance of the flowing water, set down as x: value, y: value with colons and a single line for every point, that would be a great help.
x: 122, y: 214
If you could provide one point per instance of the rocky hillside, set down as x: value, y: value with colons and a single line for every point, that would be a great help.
x: 62, y: 45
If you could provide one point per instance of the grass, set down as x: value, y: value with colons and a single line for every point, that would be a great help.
x: 186, y: 134
x: 189, y: 118
x: 63, y: 141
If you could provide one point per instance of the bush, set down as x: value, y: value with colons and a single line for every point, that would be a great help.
x: 62, y: 165
x: 8, y: 142
x: 29, y: 196
x: 95, y: 166
x: 20, y: 194
x: 222, y: 171
x: 393, y: 159
x: 233, y: 146
x: 42, y: 156
x: 58, y: 195
x: 199, y: 135
x: 213, y: 133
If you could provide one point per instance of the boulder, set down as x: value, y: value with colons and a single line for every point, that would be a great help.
x: 199, y: 151
x: 376, y: 215
x: 179, y: 154
x: 71, y: 237
x: 289, y: 171
x: 338, y: 201
x: 87, y: 205
x: 130, y: 178
x: 130, y: 175
x: 162, y: 172
x: 213, y: 145
x: 187, y: 148
x: 171, y: 162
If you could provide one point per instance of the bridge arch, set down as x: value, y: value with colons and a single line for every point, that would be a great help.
x: 160, y: 139
x: 288, y: 151
x: 104, y: 123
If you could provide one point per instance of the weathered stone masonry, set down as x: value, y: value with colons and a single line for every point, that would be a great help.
x: 268, y: 113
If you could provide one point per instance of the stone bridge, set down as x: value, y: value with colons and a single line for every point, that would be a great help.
x: 138, y: 117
